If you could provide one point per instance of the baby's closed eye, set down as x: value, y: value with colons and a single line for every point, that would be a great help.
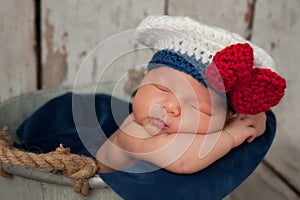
x: 161, y: 88
x: 203, y: 108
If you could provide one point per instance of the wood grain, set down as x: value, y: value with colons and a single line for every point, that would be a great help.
x: 69, y: 36
x: 232, y: 15
x: 17, y: 55
x: 277, y: 29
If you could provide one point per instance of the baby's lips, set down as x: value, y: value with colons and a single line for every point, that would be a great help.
x: 159, y: 123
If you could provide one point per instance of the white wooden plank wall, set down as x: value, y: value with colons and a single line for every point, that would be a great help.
x: 70, y: 29
x: 17, y: 56
x: 231, y: 14
x: 277, y: 28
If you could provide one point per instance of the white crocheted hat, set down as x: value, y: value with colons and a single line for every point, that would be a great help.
x: 189, y: 36
x: 218, y: 59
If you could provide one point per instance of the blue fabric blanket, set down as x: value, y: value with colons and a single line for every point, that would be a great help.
x: 53, y: 124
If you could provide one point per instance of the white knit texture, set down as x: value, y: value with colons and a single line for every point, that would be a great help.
x: 189, y: 36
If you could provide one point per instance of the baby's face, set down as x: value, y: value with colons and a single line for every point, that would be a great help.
x: 170, y: 101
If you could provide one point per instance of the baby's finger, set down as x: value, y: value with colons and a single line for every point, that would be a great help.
x: 251, y: 138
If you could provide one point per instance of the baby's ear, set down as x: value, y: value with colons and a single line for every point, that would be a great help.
x: 135, y: 77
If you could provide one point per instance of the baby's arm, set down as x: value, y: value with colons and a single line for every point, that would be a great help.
x: 242, y: 128
x: 178, y: 153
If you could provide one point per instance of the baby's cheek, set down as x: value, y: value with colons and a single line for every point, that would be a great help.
x: 137, y: 115
x: 217, y: 122
x: 189, y: 122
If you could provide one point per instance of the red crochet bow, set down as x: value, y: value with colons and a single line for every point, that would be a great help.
x: 251, y: 90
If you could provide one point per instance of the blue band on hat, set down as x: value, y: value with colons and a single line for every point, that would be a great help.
x: 181, y: 62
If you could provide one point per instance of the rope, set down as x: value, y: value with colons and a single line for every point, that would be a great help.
x: 78, y: 168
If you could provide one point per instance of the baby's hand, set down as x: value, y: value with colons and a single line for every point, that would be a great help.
x: 246, y: 127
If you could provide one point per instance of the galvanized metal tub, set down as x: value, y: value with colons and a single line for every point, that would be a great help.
x: 29, y: 183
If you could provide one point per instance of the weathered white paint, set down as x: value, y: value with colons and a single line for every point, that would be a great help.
x: 261, y: 185
x: 17, y: 58
x: 232, y: 15
x: 277, y: 29
x: 71, y: 29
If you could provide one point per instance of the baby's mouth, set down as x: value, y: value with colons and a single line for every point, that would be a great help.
x: 158, y: 122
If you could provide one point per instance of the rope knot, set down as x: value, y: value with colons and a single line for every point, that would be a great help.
x: 62, y: 150
x: 5, y: 138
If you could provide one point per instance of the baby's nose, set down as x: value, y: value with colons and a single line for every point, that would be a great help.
x: 172, y: 105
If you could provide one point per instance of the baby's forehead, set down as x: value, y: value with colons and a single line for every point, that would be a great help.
x: 168, y: 77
